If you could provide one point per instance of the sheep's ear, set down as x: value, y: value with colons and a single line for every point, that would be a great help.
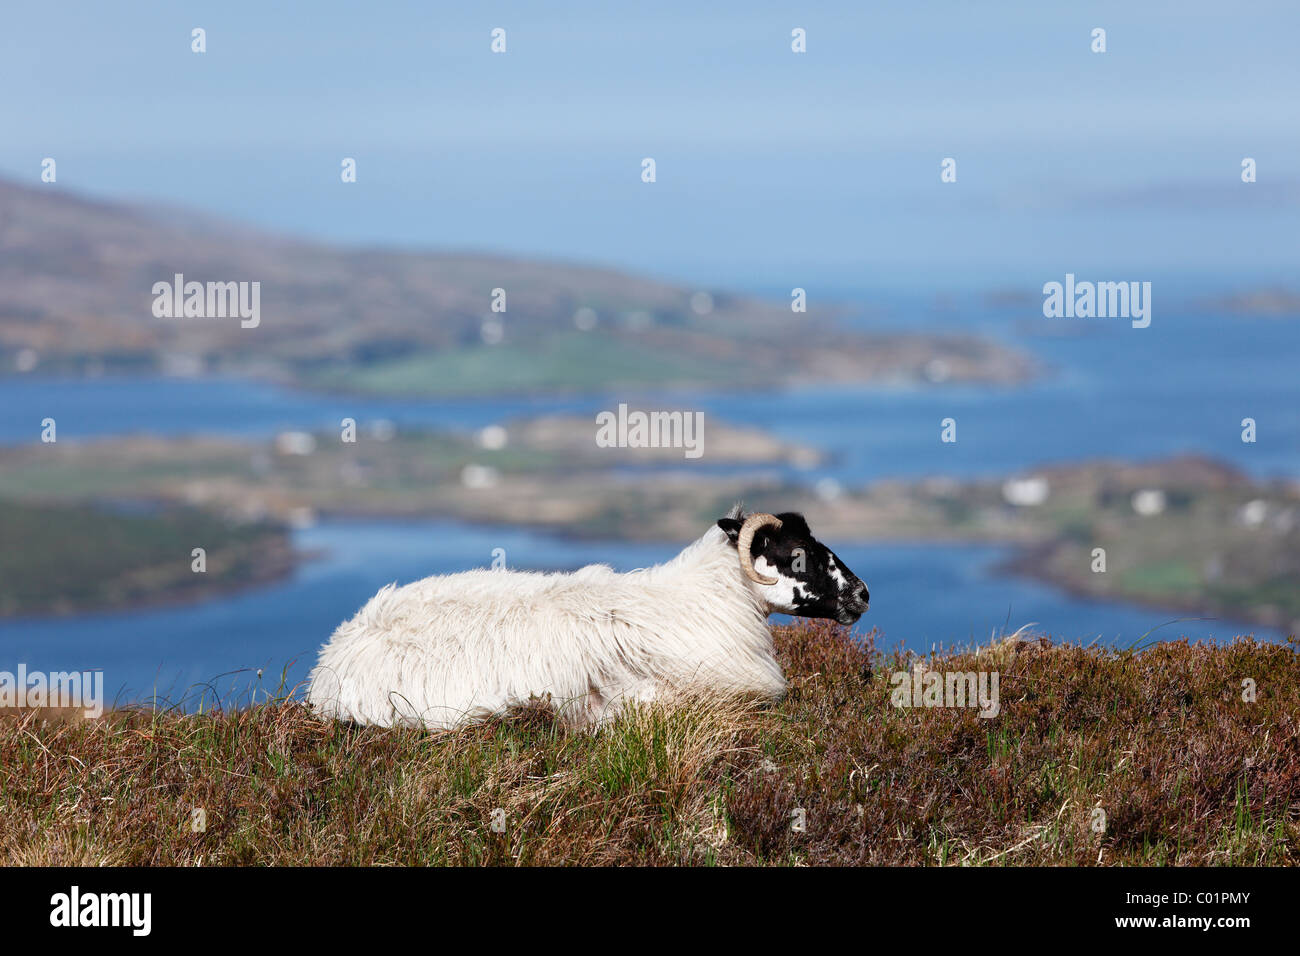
x: 732, y: 528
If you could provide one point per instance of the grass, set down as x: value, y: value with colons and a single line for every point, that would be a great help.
x: 566, y: 362
x: 66, y: 558
x: 1160, y: 741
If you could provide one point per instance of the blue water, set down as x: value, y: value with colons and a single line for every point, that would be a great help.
x: 1182, y: 385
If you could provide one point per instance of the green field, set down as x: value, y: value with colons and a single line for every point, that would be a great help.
x: 571, y: 362
x: 67, y: 558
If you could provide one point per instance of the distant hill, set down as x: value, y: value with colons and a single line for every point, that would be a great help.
x: 76, y: 297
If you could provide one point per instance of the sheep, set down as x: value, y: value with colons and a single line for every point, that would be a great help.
x: 455, y: 649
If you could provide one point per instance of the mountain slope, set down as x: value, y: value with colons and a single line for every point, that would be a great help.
x: 76, y: 295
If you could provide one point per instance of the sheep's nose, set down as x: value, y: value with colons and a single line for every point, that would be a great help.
x: 863, y: 595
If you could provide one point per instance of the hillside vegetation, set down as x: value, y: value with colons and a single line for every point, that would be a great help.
x: 1096, y: 757
x: 76, y: 298
x: 77, y: 557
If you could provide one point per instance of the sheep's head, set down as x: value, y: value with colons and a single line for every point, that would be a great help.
x: 793, y: 571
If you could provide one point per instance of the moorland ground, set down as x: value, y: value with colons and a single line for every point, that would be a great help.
x: 1170, y: 754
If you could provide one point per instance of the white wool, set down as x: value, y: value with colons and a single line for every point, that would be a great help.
x: 451, y: 649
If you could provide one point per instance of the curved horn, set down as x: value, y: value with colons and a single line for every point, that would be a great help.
x: 746, y: 540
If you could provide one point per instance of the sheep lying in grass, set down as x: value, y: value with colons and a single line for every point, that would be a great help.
x: 452, y: 649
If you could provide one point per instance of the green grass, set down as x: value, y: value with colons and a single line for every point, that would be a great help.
x: 569, y: 362
x: 1181, y: 768
x: 1172, y: 576
x: 70, y: 478
x: 74, y: 557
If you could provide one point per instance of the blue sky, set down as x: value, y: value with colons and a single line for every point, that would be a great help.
x: 774, y: 169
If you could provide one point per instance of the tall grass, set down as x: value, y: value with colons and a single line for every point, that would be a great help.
x: 1097, y: 757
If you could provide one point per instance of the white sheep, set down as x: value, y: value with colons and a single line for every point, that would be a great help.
x: 452, y: 649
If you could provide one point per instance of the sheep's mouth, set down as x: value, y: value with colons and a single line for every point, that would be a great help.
x: 849, y: 616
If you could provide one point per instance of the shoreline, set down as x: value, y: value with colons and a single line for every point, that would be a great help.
x: 1031, y: 369
x: 1026, y: 563
x: 278, y: 565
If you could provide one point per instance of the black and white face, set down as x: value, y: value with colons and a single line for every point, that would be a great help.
x: 811, y: 580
